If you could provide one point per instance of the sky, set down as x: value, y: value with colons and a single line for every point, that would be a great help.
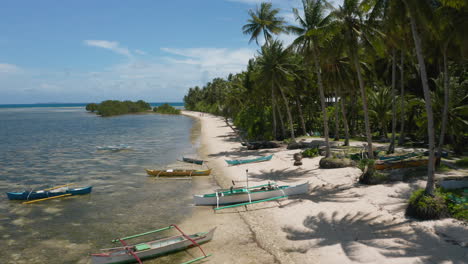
x: 154, y: 50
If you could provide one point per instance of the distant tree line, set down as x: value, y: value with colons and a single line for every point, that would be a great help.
x: 114, y: 107
x: 166, y: 109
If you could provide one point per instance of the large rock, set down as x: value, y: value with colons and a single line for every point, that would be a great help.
x: 300, y: 145
x: 333, y: 163
x: 261, y: 145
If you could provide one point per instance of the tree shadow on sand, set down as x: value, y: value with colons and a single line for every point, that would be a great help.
x: 285, y: 175
x: 359, y: 232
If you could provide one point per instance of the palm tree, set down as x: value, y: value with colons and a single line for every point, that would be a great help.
x: 277, y: 69
x: 350, y: 16
x: 314, y: 29
x: 265, y: 20
x: 415, y: 10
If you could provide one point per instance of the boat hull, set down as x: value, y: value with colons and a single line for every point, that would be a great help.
x: 239, y: 162
x: 389, y: 165
x: 162, y: 249
x: 195, y: 161
x: 40, y: 195
x: 162, y: 173
x: 254, y: 196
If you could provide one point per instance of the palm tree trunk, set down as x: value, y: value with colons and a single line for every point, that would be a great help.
x: 391, y: 148
x: 322, y: 102
x: 345, y: 119
x: 289, y: 114
x: 446, y: 102
x: 283, y: 130
x: 401, y: 139
x: 273, y: 110
x: 301, y: 116
x: 427, y: 97
x: 364, y: 106
x: 337, y: 120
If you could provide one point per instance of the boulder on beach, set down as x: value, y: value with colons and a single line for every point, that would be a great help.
x: 333, y: 163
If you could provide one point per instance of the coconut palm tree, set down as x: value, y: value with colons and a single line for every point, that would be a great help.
x: 314, y: 29
x: 277, y: 69
x: 355, y: 31
x: 265, y: 20
x: 416, y: 9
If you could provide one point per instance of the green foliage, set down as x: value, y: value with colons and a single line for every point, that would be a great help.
x: 425, y: 207
x: 457, y: 202
x: 332, y: 163
x: 166, y: 109
x: 114, y: 107
x: 92, y: 107
x: 310, y: 153
x: 463, y: 162
x: 365, y: 162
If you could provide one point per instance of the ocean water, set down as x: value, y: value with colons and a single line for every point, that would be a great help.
x: 44, y: 147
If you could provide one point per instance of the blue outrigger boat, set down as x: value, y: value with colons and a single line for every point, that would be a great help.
x: 260, y: 159
x: 48, y: 193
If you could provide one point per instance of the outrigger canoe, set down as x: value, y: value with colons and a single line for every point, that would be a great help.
x: 195, y: 161
x: 399, y: 157
x: 42, y: 194
x: 398, y: 164
x: 137, y: 252
x: 166, y: 173
x: 256, y: 193
x: 260, y: 159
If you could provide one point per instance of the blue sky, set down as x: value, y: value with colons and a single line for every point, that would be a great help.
x: 89, y: 51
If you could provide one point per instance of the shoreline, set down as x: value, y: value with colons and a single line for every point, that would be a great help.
x: 339, y: 221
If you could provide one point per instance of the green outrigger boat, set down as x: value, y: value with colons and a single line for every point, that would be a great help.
x: 260, y: 159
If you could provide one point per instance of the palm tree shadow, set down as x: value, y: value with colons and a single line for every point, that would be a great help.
x: 284, y: 175
x: 337, y: 193
x: 394, y: 240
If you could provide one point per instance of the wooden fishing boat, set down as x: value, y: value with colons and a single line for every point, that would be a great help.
x: 260, y: 159
x: 400, y: 157
x: 168, y: 173
x: 47, y: 193
x: 250, y: 194
x: 398, y: 164
x: 190, y: 160
x: 137, y: 252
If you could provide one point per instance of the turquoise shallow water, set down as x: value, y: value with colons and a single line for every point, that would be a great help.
x: 42, y: 147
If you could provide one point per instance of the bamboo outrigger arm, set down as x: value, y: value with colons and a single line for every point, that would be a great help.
x: 48, y: 198
x: 142, y: 234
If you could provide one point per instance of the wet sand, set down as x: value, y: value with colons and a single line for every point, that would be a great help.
x: 339, y: 221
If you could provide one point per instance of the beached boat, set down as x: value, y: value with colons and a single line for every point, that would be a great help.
x: 260, y: 159
x: 398, y: 164
x: 168, y: 173
x: 190, y: 160
x: 396, y: 157
x: 137, y: 252
x: 53, y: 192
x: 251, y: 194
x: 114, y: 147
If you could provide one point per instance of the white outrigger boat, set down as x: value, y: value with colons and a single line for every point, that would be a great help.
x: 248, y: 195
x: 135, y: 253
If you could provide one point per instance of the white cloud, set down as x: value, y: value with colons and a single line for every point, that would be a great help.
x: 110, y: 45
x: 137, y: 51
x: 9, y: 68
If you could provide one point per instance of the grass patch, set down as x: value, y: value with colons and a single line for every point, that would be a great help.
x: 310, y: 152
x: 457, y: 202
x: 424, y: 207
x: 463, y: 162
x: 443, y: 168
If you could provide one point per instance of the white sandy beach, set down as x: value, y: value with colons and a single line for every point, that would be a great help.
x: 339, y: 221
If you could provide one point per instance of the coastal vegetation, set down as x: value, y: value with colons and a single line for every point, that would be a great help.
x: 387, y: 71
x: 166, y: 109
x: 114, y: 107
